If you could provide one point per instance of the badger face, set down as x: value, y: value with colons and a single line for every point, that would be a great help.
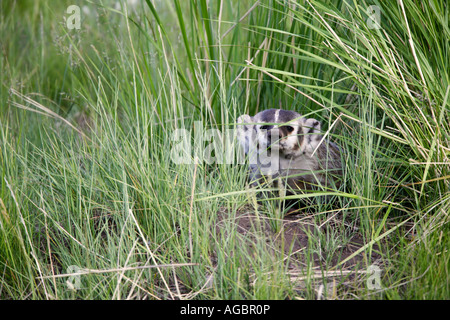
x: 271, y: 129
x: 283, y: 143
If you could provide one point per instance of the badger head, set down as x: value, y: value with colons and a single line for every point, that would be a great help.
x: 286, y: 131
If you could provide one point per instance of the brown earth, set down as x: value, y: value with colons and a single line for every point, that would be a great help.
x: 293, y: 238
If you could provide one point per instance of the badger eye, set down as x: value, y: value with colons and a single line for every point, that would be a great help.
x: 289, y: 128
x: 265, y: 127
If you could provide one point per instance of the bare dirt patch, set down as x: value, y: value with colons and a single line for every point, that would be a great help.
x: 296, y: 238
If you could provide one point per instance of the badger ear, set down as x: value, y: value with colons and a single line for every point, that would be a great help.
x: 244, y: 121
x: 245, y: 131
x: 311, y: 130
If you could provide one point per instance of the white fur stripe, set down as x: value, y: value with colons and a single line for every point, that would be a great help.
x: 277, y: 113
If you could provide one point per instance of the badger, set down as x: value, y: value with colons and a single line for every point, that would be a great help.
x: 288, y: 151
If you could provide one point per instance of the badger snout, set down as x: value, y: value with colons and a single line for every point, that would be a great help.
x: 273, y: 138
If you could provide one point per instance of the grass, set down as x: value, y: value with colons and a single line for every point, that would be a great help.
x: 89, y: 183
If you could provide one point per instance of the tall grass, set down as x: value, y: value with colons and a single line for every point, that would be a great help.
x: 89, y: 183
